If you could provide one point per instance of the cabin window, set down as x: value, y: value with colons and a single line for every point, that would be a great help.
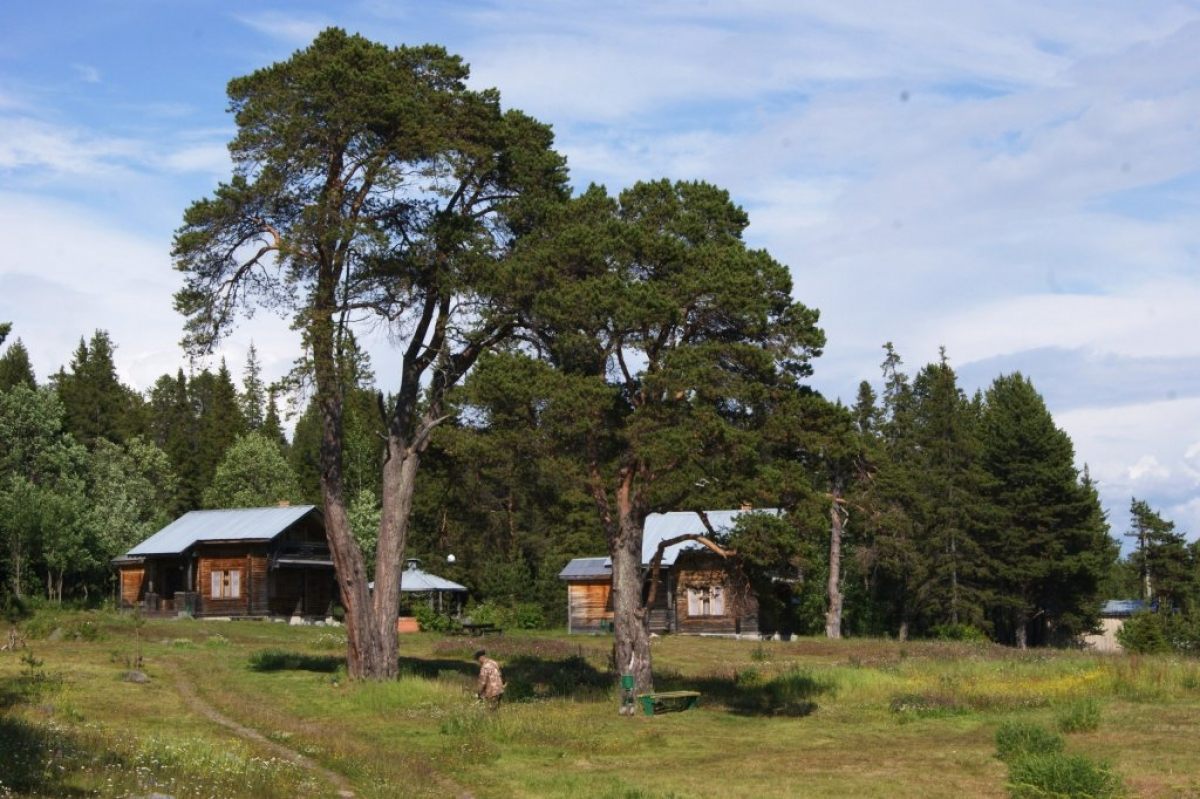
x: 227, y: 583
x: 706, y: 601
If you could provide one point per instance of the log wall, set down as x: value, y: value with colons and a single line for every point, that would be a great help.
x: 252, y: 599
x: 702, y: 570
x: 133, y: 584
x: 588, y: 602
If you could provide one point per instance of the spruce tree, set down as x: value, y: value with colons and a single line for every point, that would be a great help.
x: 15, y: 368
x: 1047, y: 545
x: 253, y: 395
x: 96, y: 404
x: 174, y: 428
x: 948, y: 506
x: 219, y: 420
x: 272, y: 428
x: 1162, y: 558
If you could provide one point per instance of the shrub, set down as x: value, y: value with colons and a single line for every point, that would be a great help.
x: 432, y: 621
x: 1143, y: 633
x: 1018, y: 739
x: 789, y: 694
x: 958, y: 632
x: 1061, y: 775
x: 280, y: 660
x: 1082, y: 716
x: 519, y: 616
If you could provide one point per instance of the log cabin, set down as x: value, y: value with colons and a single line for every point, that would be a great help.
x: 238, y: 563
x: 699, y: 592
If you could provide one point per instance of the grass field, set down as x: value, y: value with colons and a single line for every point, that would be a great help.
x: 803, y: 718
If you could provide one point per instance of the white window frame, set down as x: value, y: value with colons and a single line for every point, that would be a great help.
x: 226, y: 584
x: 708, y: 600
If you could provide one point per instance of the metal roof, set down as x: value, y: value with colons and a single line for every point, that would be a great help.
x: 584, y: 568
x: 658, y: 528
x: 238, y: 524
x: 661, y: 526
x: 1123, y: 607
x: 414, y: 580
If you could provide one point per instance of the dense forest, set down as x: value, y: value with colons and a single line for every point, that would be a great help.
x: 959, y: 515
x: 571, y: 362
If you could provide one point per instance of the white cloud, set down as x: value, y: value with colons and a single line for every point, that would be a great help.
x: 1148, y: 467
x: 1145, y: 450
x: 68, y: 271
x: 289, y: 27
x: 87, y: 73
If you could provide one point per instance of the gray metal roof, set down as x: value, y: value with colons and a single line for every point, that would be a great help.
x: 1123, y: 607
x: 584, y: 568
x: 661, y: 526
x: 414, y: 580
x: 239, y: 524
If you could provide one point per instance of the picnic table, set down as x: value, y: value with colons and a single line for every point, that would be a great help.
x: 668, y: 701
x: 473, y: 628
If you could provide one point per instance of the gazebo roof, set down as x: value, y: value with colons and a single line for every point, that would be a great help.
x: 414, y: 580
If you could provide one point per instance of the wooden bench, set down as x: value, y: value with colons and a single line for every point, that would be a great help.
x: 668, y: 701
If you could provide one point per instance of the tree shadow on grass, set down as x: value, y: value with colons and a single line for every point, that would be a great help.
x: 34, y: 761
x: 526, y: 677
x: 282, y: 660
x: 792, y: 693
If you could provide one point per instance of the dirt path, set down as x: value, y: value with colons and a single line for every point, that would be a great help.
x: 188, y: 692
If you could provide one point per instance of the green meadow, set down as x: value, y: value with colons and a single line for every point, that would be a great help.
x: 810, y: 717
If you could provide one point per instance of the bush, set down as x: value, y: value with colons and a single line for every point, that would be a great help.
x: 520, y: 616
x: 789, y: 694
x: 280, y: 660
x: 1018, y: 739
x: 1082, y: 716
x: 432, y: 621
x: 1059, y: 775
x: 1143, y: 634
x: 958, y: 632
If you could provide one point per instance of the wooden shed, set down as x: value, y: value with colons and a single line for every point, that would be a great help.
x: 245, y: 562
x: 699, y: 591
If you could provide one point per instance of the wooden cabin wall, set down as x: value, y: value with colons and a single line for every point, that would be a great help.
x: 589, y: 602
x: 133, y: 585
x: 699, y: 570
x: 251, y: 564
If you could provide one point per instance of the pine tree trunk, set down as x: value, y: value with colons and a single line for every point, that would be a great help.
x: 631, y: 640
x: 399, y: 485
x: 1021, y: 633
x: 902, y: 634
x: 833, y: 616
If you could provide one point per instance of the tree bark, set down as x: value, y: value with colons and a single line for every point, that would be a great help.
x: 1021, y: 633
x: 631, y: 640
x: 833, y: 615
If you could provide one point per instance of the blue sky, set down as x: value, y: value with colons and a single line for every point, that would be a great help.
x: 1017, y: 181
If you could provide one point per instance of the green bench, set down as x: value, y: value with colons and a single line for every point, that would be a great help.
x: 668, y: 701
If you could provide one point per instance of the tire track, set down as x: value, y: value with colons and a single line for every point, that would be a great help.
x: 188, y: 692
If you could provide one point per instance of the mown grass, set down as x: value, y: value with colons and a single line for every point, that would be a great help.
x: 809, y: 717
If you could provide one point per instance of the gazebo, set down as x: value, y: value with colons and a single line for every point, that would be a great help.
x: 416, y: 581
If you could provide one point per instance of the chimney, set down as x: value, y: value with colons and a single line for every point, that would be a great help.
x: 746, y: 506
x: 283, y: 503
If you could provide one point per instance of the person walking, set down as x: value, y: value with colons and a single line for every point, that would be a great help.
x: 491, y: 681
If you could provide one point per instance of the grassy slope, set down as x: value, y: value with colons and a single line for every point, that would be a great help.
x: 914, y: 719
